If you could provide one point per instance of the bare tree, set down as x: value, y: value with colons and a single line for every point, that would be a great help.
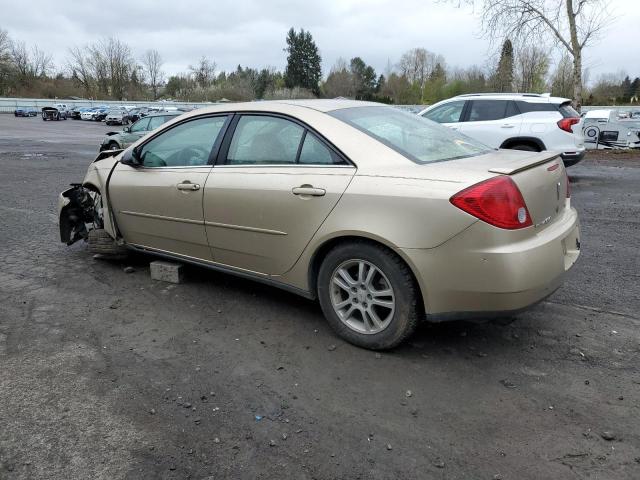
x: 204, y: 72
x: 418, y: 64
x: 532, y: 65
x: 81, y: 69
x: 20, y: 58
x: 573, y: 24
x: 152, y: 62
x: 41, y: 62
x: 5, y: 60
x: 339, y: 81
x: 562, y: 78
x: 105, y: 67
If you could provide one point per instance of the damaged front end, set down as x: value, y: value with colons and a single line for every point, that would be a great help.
x: 80, y: 210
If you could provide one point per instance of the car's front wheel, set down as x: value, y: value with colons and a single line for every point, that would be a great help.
x: 368, y: 295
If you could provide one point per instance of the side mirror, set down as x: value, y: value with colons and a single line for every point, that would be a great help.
x: 126, y: 129
x: 131, y: 157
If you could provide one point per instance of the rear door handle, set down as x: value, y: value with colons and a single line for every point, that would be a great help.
x: 187, y: 185
x: 508, y: 125
x: 308, y: 190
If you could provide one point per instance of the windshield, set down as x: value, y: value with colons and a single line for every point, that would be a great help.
x: 415, y: 137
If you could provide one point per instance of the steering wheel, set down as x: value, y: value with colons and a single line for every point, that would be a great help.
x: 193, y: 156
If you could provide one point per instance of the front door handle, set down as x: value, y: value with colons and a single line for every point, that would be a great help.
x: 187, y: 185
x: 508, y: 125
x: 309, y: 190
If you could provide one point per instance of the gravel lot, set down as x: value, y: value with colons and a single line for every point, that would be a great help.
x: 109, y: 375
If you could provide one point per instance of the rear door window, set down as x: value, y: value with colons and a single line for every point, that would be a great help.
x: 264, y: 140
x: 487, y: 110
x: 314, y: 152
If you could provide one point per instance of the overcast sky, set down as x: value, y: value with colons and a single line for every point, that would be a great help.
x: 252, y: 32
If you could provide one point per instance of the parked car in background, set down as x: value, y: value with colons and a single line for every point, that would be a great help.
x: 76, y: 112
x: 518, y: 121
x: 604, y: 129
x: 383, y: 216
x: 117, y: 115
x: 25, y: 112
x: 133, y: 133
x: 52, y: 113
x: 91, y: 113
x: 100, y: 114
x: 137, y: 113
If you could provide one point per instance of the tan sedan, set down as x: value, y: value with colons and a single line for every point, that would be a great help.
x: 385, y: 217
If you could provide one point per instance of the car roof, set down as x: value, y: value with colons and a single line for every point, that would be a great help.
x: 163, y: 114
x: 526, y: 97
x: 285, y: 106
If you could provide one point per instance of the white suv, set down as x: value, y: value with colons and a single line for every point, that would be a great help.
x: 519, y: 121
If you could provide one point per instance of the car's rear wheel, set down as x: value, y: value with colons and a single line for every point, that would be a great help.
x: 113, y: 146
x: 368, y: 295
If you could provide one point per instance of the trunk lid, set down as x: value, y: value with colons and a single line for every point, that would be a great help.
x: 543, y: 185
x: 541, y: 178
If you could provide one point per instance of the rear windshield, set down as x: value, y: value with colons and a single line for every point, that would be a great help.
x: 568, y: 111
x: 415, y: 137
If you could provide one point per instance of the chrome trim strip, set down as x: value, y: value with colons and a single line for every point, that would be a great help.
x: 248, y: 274
x: 245, y: 229
x: 282, y: 165
x: 162, y: 217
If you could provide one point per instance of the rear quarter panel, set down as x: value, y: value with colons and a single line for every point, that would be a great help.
x: 396, y: 212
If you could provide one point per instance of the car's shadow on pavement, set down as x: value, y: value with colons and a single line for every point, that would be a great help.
x: 451, y: 338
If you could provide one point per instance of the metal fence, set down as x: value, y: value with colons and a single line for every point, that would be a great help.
x: 8, y: 105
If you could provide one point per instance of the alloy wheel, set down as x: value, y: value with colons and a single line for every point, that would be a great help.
x: 362, y: 296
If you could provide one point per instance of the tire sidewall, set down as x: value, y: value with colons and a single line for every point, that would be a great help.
x: 405, y: 312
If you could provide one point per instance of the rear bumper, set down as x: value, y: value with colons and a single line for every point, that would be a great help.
x: 486, y: 272
x: 571, y: 158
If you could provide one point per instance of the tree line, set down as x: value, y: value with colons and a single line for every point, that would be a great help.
x: 108, y: 69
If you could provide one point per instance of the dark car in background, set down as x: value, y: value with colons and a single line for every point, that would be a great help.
x: 137, y: 113
x: 131, y: 134
x: 100, y: 114
x: 25, y: 112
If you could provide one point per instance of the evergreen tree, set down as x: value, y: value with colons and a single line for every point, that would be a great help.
x: 364, y: 79
x: 503, y: 79
x: 627, y: 92
x: 303, y: 62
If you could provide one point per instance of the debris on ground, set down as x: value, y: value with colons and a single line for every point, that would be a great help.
x: 608, y: 435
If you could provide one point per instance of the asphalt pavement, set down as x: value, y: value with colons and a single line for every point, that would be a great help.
x: 111, y: 375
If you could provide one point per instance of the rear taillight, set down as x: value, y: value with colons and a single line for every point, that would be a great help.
x: 497, y: 201
x: 566, y: 123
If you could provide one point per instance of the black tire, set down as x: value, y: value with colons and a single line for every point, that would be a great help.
x: 407, y: 310
x: 113, y: 146
x: 525, y: 147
